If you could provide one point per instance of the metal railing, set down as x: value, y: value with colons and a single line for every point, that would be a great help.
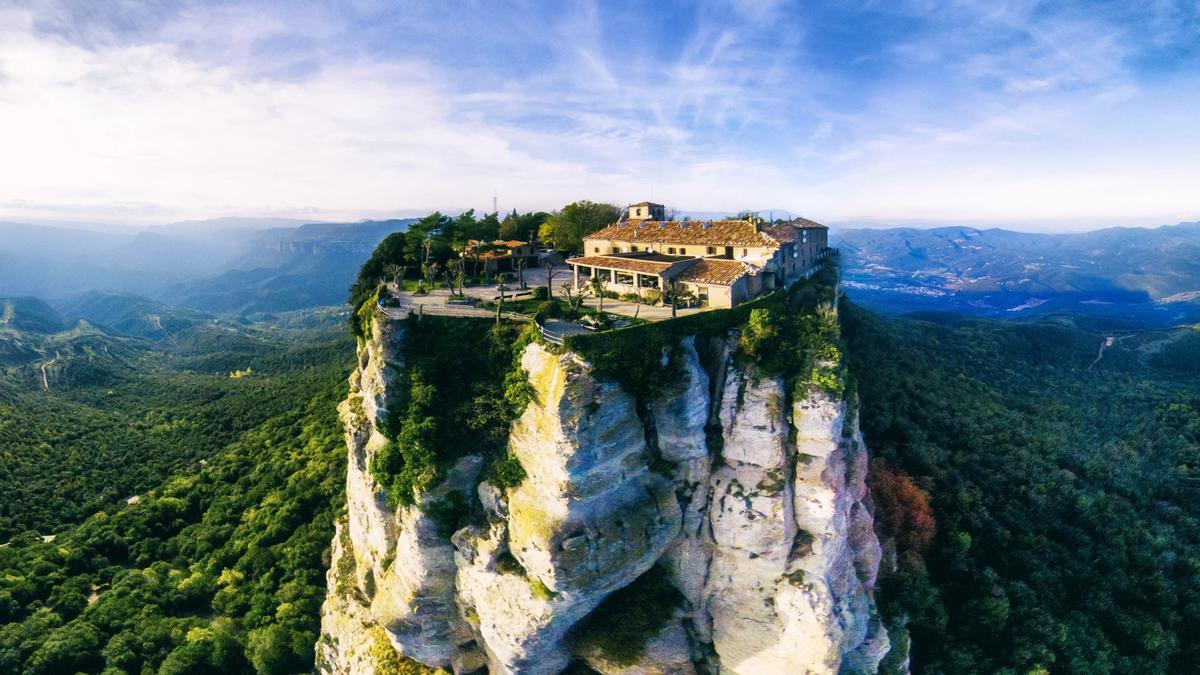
x: 549, y: 335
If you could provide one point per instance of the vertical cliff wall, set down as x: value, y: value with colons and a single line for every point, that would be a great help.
x: 722, y: 526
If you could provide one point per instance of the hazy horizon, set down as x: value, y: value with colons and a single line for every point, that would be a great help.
x: 1047, y: 116
x: 267, y: 222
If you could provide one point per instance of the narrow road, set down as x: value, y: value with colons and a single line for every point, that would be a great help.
x: 1104, y: 344
x: 46, y: 382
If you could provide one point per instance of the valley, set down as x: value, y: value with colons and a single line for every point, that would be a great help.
x: 169, y: 500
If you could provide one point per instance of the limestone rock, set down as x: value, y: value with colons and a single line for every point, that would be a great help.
x: 757, y: 508
x: 589, y: 518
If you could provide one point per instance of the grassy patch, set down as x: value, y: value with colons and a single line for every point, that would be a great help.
x: 540, y: 590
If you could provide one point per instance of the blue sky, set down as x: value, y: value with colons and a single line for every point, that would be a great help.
x: 1026, y: 114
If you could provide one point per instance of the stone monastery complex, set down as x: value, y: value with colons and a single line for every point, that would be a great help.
x: 721, y: 262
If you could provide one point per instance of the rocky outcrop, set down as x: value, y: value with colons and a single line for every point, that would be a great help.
x: 589, y: 519
x: 749, y: 492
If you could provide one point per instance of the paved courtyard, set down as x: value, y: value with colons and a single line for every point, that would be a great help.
x: 534, y: 278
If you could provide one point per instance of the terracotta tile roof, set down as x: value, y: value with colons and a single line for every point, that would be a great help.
x: 626, y: 264
x: 714, y: 271
x: 694, y: 233
x: 805, y: 222
x: 791, y: 231
x: 472, y: 249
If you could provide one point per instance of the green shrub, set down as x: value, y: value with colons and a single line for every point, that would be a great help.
x: 456, y: 370
x: 358, y: 413
x: 541, y: 293
x: 506, y: 472
x: 449, y: 512
x: 652, y: 296
x: 365, y: 312
x: 547, y: 309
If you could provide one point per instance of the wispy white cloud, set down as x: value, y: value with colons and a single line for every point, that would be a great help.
x: 979, y: 111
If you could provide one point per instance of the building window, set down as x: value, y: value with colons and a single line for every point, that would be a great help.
x: 596, y: 249
x: 683, y: 251
x: 616, y: 249
x: 633, y: 249
x: 671, y: 250
x: 745, y: 252
x: 712, y: 250
x: 624, y: 279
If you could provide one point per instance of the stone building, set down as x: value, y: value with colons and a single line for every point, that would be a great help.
x: 722, y: 262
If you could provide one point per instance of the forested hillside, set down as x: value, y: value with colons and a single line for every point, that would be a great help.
x: 1045, y: 516
x: 234, y: 451
x: 1139, y: 276
x: 115, y: 416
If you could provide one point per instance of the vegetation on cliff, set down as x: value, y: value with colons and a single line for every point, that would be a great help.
x: 1067, y: 533
x: 460, y: 386
x: 782, y: 334
x: 622, y: 625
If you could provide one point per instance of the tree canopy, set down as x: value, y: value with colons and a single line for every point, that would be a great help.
x: 567, y: 228
x: 1042, y: 516
x: 219, y: 568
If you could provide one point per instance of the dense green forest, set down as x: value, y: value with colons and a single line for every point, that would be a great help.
x: 231, y: 442
x: 1045, y: 517
x: 121, y: 415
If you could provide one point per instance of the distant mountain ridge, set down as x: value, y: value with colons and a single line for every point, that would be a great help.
x: 30, y: 314
x: 131, y: 315
x: 1141, y: 275
x: 284, y: 269
x: 209, y: 266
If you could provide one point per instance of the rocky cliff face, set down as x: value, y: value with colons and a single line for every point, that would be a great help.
x: 748, y: 498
